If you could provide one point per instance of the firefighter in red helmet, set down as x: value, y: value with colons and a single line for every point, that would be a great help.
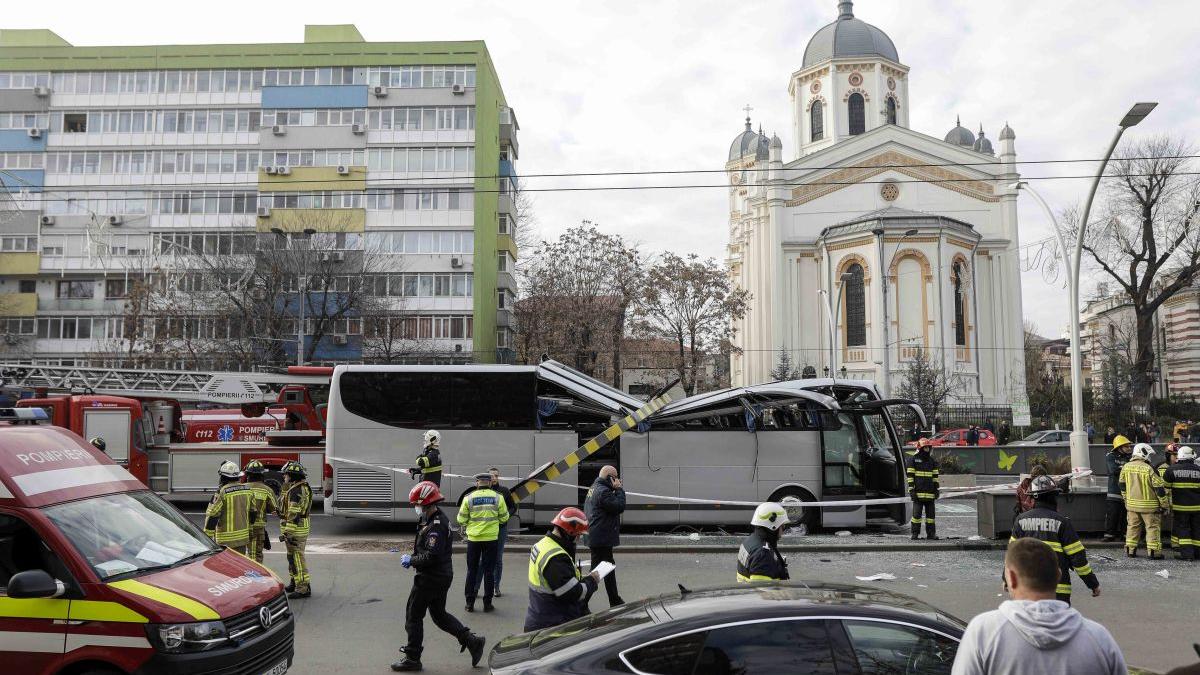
x: 435, y: 572
x: 558, y: 591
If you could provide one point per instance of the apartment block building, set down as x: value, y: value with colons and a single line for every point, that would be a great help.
x: 124, y: 166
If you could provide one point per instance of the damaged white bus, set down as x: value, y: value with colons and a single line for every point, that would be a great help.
x: 816, y: 439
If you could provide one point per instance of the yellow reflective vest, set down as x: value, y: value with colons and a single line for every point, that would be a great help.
x: 264, y: 503
x: 481, y: 514
x: 227, y: 518
x: 295, y: 504
x: 1141, y: 487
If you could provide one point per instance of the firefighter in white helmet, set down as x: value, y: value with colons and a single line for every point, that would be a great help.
x: 1145, y: 497
x: 759, y: 558
x: 1183, y: 480
x: 429, y: 462
x: 229, y: 516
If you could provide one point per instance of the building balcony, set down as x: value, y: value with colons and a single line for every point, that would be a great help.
x: 18, y: 304
x: 85, y: 305
x: 504, y: 204
x: 504, y: 318
x: 509, y: 129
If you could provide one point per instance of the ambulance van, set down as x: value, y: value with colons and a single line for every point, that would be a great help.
x: 100, y: 576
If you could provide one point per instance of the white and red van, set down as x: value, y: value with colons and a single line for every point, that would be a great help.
x: 99, y: 575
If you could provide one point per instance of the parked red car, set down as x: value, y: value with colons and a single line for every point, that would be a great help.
x: 959, y: 437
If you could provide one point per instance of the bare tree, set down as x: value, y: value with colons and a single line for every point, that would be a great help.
x: 925, y: 381
x: 238, y: 305
x: 692, y: 303
x: 1146, y: 236
x: 1049, y: 395
x: 576, y: 292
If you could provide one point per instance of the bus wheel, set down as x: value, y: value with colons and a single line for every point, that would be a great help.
x: 809, y: 517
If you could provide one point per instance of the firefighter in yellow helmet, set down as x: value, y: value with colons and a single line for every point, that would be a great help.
x: 227, y: 518
x: 294, y: 506
x: 1114, y: 505
x: 264, y: 503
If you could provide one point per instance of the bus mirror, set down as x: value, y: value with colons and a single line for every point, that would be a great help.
x: 254, y: 409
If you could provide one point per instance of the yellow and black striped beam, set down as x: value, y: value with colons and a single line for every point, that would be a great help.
x: 553, y: 471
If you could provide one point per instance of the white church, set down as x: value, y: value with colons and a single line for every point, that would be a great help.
x: 910, y: 239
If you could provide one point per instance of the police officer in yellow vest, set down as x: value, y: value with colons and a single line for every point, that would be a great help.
x: 429, y: 462
x: 1145, y: 496
x: 480, y: 514
x: 558, y: 591
x: 264, y: 503
x: 294, y: 506
x: 227, y: 518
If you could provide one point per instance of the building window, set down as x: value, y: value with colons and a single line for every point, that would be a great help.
x: 960, y: 305
x: 76, y: 289
x: 857, y: 114
x: 856, y: 307
x: 816, y: 120
x: 27, y: 286
x: 891, y: 110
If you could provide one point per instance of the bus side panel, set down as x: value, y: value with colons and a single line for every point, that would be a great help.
x: 642, y: 471
x: 712, y: 465
x: 551, y: 446
x: 468, y: 452
x: 788, y: 458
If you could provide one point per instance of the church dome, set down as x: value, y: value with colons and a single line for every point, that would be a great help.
x: 750, y: 142
x: 848, y: 36
x: 982, y: 144
x: 1007, y: 134
x: 960, y: 135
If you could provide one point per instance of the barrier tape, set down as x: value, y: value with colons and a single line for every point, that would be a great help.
x: 788, y: 503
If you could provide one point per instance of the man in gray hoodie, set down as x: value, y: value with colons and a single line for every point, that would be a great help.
x: 1033, y: 632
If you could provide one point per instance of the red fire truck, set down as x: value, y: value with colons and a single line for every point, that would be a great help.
x: 142, y: 418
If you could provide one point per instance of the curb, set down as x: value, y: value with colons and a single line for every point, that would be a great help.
x: 898, y: 547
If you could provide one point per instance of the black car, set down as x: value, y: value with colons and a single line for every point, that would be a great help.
x: 795, y: 628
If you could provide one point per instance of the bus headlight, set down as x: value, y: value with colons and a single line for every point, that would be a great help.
x: 187, y: 637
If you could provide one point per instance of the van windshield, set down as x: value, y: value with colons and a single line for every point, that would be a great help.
x: 128, y: 532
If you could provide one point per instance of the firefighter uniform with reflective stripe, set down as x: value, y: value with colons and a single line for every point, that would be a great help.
x: 1058, y: 533
x: 1143, y: 492
x: 1183, y: 480
x: 759, y: 561
x: 295, y: 504
x: 264, y: 503
x: 558, y: 592
x: 429, y: 465
x: 923, y: 487
x: 228, y: 517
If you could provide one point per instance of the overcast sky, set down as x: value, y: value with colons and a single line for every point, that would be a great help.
x: 628, y: 86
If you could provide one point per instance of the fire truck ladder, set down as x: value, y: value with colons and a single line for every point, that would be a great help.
x: 181, y: 385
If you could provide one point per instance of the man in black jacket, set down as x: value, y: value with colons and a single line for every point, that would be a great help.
x: 759, y: 558
x: 435, y: 572
x: 509, y: 502
x: 604, y: 506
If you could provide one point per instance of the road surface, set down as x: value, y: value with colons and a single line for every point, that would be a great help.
x: 354, y: 620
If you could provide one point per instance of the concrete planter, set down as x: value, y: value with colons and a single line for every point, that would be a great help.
x: 956, y: 480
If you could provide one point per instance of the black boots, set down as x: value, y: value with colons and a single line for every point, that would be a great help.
x: 474, y: 644
x: 408, y: 663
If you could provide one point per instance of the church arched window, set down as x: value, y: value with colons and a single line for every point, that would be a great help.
x: 856, y: 307
x: 891, y: 110
x: 816, y: 120
x: 960, y: 305
x: 857, y: 114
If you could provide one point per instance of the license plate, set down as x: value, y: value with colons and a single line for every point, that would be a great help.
x: 278, y: 669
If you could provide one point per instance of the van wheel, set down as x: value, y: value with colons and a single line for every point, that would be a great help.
x: 810, y: 517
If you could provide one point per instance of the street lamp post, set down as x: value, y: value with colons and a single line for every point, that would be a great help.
x: 303, y: 296
x: 887, y: 350
x: 832, y: 316
x: 1080, y: 458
